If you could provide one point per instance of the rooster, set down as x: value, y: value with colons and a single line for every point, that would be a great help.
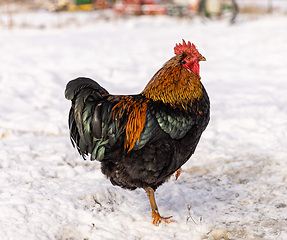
x: 141, y: 140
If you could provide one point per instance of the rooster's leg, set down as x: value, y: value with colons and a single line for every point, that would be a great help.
x: 155, y: 214
x: 178, y: 172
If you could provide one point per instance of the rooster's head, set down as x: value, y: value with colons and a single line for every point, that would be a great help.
x: 191, y: 56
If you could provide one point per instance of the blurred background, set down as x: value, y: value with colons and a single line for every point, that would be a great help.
x: 14, y: 13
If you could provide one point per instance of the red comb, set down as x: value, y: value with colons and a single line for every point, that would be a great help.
x: 185, y: 48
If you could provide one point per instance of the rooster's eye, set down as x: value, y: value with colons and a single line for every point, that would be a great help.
x: 183, y: 62
x: 188, y: 58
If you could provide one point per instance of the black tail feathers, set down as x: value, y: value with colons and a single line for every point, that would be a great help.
x: 76, y: 85
x: 85, y: 95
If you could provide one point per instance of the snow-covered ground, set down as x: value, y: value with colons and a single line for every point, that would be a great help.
x: 235, y: 185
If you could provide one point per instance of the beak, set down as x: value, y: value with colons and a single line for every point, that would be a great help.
x: 201, y: 58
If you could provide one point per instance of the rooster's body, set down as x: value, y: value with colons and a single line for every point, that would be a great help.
x: 141, y: 140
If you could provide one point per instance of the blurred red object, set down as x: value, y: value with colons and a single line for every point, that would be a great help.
x: 140, y: 7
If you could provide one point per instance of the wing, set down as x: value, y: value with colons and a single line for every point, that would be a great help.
x: 163, y: 121
x: 174, y: 122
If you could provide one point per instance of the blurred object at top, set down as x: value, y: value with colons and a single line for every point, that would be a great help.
x: 218, y: 9
x: 77, y: 5
x: 13, y: 13
x: 140, y: 7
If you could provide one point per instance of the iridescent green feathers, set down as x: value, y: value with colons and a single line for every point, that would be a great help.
x: 174, y: 122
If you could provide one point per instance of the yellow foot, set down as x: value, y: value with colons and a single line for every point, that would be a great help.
x: 157, y: 219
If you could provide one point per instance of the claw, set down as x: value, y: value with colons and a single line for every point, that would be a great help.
x: 157, y: 219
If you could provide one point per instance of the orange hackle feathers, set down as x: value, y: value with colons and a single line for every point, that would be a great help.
x: 136, y: 115
x: 188, y: 49
x: 174, y: 84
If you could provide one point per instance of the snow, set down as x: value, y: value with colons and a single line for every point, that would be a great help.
x: 234, y: 187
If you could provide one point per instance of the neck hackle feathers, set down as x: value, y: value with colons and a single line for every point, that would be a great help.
x: 174, y: 84
x: 188, y: 49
